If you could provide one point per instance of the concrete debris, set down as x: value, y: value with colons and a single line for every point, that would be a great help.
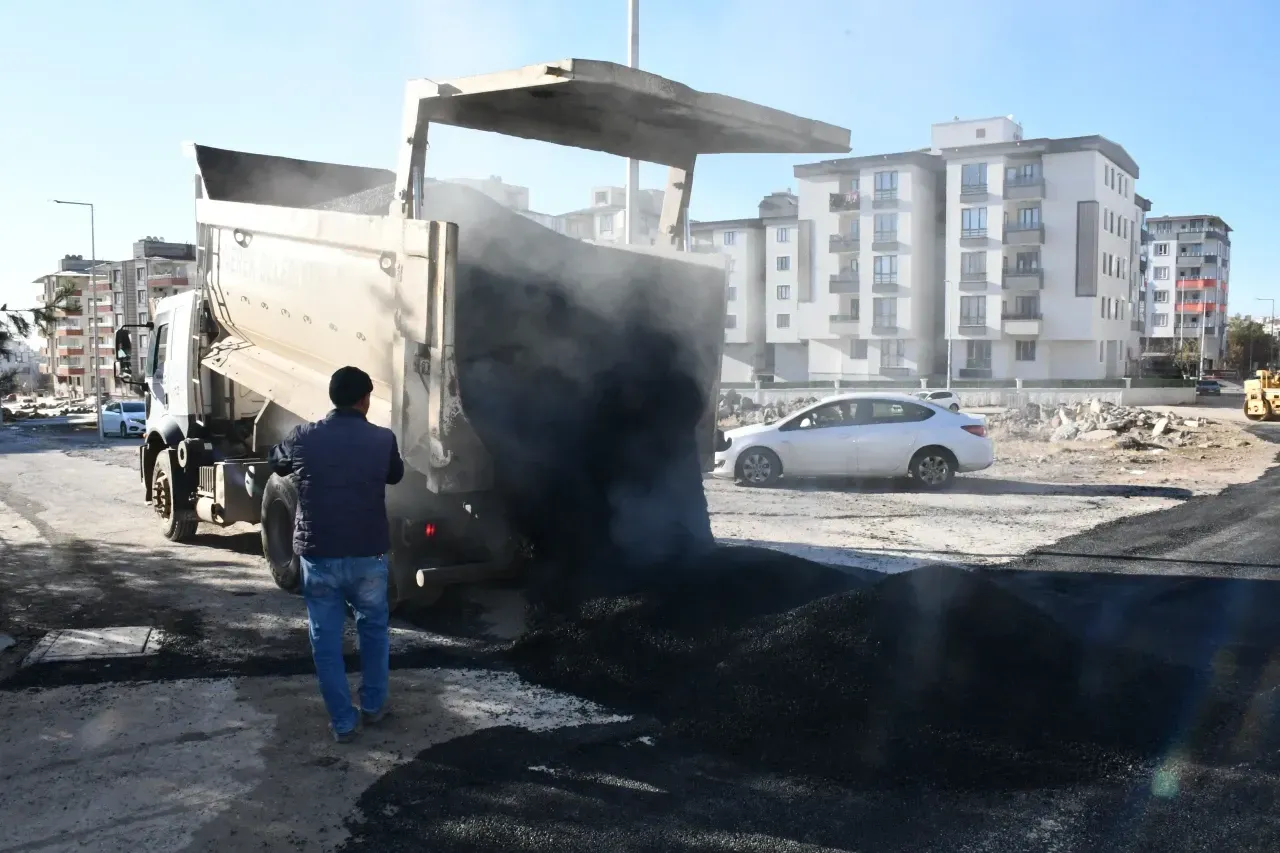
x: 30, y: 408
x: 735, y: 410
x: 1097, y: 421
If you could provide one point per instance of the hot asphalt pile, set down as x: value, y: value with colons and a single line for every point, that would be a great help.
x: 935, y: 677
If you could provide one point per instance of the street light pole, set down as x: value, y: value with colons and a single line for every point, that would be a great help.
x: 633, y: 165
x: 1271, y: 330
x: 93, y: 290
x: 946, y: 313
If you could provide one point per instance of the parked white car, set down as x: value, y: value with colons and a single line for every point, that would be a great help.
x: 945, y: 399
x: 124, y: 418
x: 859, y: 435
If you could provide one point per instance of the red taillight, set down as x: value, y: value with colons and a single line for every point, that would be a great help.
x: 975, y: 429
x: 429, y: 530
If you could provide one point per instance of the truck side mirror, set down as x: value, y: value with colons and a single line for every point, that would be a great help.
x: 124, y: 355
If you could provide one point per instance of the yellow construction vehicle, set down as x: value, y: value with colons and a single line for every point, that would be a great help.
x: 1262, y: 396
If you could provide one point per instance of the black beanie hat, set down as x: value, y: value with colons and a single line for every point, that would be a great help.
x: 348, y: 386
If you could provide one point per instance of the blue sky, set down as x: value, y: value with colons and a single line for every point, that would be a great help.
x: 98, y: 96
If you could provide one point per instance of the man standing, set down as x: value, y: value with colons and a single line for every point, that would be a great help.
x: 342, y: 466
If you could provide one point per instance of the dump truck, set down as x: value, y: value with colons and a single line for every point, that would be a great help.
x: 493, y: 342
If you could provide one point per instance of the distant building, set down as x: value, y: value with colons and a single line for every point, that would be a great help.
x: 26, y: 362
x: 1187, y: 286
x: 70, y: 351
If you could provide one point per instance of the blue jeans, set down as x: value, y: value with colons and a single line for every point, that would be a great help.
x: 329, y: 584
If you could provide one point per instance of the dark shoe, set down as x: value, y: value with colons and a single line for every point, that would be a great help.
x: 347, y: 737
x: 373, y: 719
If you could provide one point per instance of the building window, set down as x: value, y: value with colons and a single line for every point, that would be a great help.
x: 886, y: 269
x: 973, y: 310
x: 784, y: 263
x: 1159, y: 319
x: 1025, y: 262
x: 730, y: 238
x: 858, y: 350
x: 1024, y: 350
x: 1029, y: 217
x: 606, y: 224
x: 784, y: 235
x: 981, y: 133
x: 1160, y: 273
x: 1161, y: 248
x: 730, y: 321
x: 1102, y: 350
x: 1160, y: 296
x: 886, y: 227
x: 733, y: 294
x: 884, y: 312
x: 784, y: 321
x: 973, y: 265
x: 977, y: 355
x: 973, y: 177
x: 140, y: 275
x: 602, y: 197
x: 893, y: 353
x: 1022, y: 175
x: 784, y: 292
x: 855, y: 308
x: 886, y: 185
x: 973, y: 222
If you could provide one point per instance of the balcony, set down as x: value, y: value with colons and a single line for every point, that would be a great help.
x: 884, y: 326
x: 973, y: 192
x: 1023, y: 323
x: 1209, y: 258
x: 67, y: 352
x: 884, y: 284
x: 1194, y: 307
x: 973, y: 237
x: 845, y: 281
x: 1016, y: 279
x: 974, y: 280
x: 974, y: 373
x: 845, y: 325
x: 1019, y: 234
x: 974, y: 326
x: 843, y: 243
x: 1146, y: 236
x: 884, y: 241
x: 167, y: 281
x: 1201, y: 236
x: 1022, y: 189
x: 884, y: 198
x: 72, y: 311
x: 844, y: 202
x: 1197, y: 283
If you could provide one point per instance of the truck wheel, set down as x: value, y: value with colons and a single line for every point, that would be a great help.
x: 177, y: 524
x: 279, y: 507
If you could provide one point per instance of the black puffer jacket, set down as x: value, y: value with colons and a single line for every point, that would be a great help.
x: 342, y: 466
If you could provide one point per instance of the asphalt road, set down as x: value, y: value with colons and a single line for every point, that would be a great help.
x: 217, y: 743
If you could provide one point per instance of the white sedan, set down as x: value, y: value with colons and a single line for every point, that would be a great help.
x: 859, y: 435
x: 945, y: 399
x: 124, y: 418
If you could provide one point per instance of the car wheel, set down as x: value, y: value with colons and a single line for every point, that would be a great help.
x: 124, y: 431
x: 759, y: 466
x: 955, y: 407
x: 933, y: 468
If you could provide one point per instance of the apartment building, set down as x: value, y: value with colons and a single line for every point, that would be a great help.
x: 741, y: 241
x: 605, y: 220
x: 156, y: 269
x: 72, y: 350
x: 1042, y: 253
x: 25, y: 363
x: 1189, y: 278
x: 869, y: 309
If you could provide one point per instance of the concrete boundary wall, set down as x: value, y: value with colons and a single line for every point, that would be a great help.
x: 1007, y: 397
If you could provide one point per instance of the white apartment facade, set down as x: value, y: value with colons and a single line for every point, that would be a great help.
x: 1188, y: 283
x: 741, y: 242
x: 605, y: 220
x: 1042, y: 252
x: 869, y: 309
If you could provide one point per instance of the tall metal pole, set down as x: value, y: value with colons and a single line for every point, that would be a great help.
x: 1271, y: 327
x: 93, y: 322
x: 633, y: 165
x: 946, y: 312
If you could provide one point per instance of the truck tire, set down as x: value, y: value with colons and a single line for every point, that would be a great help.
x: 279, y: 507
x: 177, y: 522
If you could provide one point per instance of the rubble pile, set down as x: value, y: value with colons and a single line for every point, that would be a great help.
x: 735, y: 410
x: 29, y: 408
x: 936, y: 677
x: 1127, y: 427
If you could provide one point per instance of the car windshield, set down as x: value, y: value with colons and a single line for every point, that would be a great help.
x: 133, y: 407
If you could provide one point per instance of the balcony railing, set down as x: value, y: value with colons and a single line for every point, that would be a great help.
x: 845, y: 281
x: 973, y: 280
x: 973, y: 236
x: 1023, y: 234
x: 972, y: 325
x: 844, y: 202
x: 969, y: 190
x: 883, y: 241
x: 843, y: 242
x: 167, y: 281
x: 885, y: 198
x: 843, y: 324
x: 884, y: 326
x: 888, y: 285
x: 1024, y: 315
x: 1024, y: 187
x: 1023, y: 279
